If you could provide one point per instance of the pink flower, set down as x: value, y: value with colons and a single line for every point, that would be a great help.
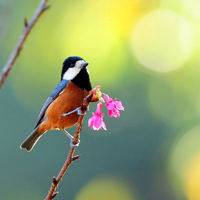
x: 113, y: 106
x: 96, y: 122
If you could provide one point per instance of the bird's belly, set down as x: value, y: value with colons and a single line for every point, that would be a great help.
x: 66, y: 102
x: 57, y: 109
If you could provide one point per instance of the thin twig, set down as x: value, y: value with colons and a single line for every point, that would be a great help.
x: 16, y: 51
x: 70, y: 158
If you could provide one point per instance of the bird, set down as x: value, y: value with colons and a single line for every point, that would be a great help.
x: 61, y: 109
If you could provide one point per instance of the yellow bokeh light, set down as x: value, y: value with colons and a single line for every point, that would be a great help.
x: 192, y: 6
x: 97, y: 31
x: 185, y: 164
x: 98, y: 34
x: 162, y: 41
x: 106, y: 188
x: 184, y: 149
x: 191, y: 181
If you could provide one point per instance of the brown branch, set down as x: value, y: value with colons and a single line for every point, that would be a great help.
x: 16, y: 51
x: 70, y: 158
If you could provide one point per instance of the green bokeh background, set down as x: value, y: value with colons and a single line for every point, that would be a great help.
x: 152, y: 151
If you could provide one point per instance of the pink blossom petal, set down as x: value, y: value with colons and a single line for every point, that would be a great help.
x: 103, y: 126
x: 91, y: 121
x: 113, y: 106
x: 119, y: 105
x: 114, y: 113
x: 98, y: 110
x: 96, y: 121
x: 110, y: 106
x: 106, y: 97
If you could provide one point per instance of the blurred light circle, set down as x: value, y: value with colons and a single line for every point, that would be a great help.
x: 192, y: 178
x: 184, y: 149
x: 162, y: 41
x: 106, y: 188
x: 184, y: 163
x: 192, y: 6
x: 96, y: 35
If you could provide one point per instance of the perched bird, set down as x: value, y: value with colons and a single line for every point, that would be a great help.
x: 66, y: 97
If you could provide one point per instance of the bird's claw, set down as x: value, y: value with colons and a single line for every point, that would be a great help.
x: 78, y: 110
x: 74, y: 145
x: 71, y: 139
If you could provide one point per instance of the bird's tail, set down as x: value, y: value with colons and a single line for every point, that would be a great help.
x: 31, y: 140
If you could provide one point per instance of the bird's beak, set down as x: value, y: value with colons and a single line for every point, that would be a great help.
x: 84, y: 65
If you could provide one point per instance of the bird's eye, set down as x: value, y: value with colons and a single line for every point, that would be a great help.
x: 72, y: 65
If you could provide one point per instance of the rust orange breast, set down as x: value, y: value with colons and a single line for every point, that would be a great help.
x: 70, y: 99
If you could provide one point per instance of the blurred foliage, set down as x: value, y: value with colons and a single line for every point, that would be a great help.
x: 145, y: 53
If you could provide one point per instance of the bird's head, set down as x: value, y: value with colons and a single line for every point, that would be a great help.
x: 75, y: 70
x: 72, y: 66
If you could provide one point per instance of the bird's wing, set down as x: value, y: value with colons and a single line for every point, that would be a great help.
x: 54, y: 94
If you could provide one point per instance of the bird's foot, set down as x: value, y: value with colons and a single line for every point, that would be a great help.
x: 74, y: 145
x: 71, y: 139
x: 78, y: 110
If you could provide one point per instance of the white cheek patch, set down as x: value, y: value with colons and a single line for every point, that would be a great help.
x: 71, y: 73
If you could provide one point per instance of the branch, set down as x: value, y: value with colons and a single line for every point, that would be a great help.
x: 51, y: 194
x: 28, y: 26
